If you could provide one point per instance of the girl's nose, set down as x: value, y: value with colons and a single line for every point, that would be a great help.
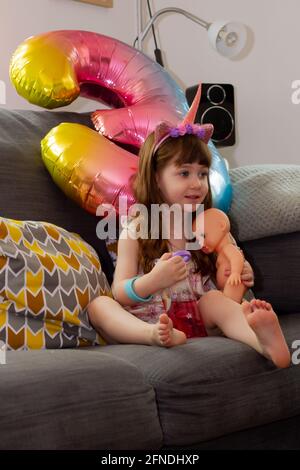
x: 196, y: 182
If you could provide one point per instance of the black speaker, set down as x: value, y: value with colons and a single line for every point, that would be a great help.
x: 216, y: 107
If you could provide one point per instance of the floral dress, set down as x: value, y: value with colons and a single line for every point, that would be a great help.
x: 150, y: 311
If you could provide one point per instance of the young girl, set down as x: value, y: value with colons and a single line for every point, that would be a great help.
x: 173, y: 169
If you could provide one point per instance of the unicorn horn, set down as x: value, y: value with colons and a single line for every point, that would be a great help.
x: 191, y: 114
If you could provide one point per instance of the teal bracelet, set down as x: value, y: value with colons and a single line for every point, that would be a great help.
x: 130, y: 292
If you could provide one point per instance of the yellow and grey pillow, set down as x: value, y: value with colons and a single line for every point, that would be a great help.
x: 48, y: 276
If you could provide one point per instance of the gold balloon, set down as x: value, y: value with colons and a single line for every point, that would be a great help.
x: 46, y: 79
x: 90, y: 169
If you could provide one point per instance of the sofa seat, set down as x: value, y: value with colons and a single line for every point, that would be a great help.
x: 204, y: 390
x: 76, y: 399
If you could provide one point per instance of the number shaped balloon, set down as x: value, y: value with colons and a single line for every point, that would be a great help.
x: 52, y: 69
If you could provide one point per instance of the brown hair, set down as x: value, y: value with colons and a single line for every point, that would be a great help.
x: 189, y: 149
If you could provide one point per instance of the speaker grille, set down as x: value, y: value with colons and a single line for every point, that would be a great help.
x: 216, y: 107
x: 223, y: 118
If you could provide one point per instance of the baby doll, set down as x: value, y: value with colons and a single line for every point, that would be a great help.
x: 217, y: 238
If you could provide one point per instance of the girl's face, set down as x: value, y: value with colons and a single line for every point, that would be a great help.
x: 186, y: 184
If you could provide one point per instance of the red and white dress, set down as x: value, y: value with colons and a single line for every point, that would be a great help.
x: 150, y: 311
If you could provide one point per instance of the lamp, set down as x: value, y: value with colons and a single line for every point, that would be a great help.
x: 228, y: 38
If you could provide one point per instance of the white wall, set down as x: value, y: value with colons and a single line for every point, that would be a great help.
x: 267, y: 120
x: 23, y: 18
x: 268, y: 123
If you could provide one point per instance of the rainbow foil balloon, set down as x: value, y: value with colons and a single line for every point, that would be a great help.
x: 95, y: 167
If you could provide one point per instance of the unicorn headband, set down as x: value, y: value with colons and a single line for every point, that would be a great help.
x: 165, y: 129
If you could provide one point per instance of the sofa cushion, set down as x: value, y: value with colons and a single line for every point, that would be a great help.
x: 47, y: 278
x: 35, y: 196
x: 265, y: 200
x: 75, y: 399
x: 214, y: 386
x: 276, y: 262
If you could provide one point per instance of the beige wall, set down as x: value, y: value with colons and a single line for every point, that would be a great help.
x: 267, y: 120
x: 268, y: 123
x: 23, y: 18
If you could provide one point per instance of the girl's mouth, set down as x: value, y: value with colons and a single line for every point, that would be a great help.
x: 192, y: 197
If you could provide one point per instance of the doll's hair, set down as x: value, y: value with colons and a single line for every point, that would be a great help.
x: 188, y: 149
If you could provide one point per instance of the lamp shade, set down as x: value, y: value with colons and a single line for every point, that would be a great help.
x: 228, y: 38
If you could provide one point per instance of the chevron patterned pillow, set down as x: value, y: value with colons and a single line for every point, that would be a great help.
x: 48, y: 276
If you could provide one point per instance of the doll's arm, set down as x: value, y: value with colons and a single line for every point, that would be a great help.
x: 247, y: 275
x: 236, y: 259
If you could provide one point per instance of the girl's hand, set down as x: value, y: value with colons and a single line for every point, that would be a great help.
x: 247, y: 275
x: 168, y: 270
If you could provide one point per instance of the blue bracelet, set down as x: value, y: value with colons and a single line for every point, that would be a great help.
x: 130, y: 292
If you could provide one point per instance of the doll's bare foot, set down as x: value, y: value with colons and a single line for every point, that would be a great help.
x: 264, y: 322
x: 165, y: 335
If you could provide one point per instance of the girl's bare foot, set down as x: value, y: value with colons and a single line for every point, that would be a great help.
x: 248, y: 306
x: 264, y: 322
x: 165, y: 335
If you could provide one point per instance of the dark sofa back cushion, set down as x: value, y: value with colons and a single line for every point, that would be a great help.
x: 276, y: 262
x: 26, y: 188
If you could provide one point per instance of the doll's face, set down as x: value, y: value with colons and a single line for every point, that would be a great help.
x: 212, y: 234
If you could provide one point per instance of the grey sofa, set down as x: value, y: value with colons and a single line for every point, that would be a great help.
x: 212, y: 393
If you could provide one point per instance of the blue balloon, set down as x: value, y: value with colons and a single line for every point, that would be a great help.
x: 221, y: 186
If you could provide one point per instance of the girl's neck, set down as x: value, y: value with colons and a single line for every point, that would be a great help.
x: 177, y: 239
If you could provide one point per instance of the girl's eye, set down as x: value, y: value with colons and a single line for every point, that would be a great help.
x: 202, y: 174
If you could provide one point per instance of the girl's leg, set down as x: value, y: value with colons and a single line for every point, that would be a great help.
x: 255, y: 324
x: 116, y: 325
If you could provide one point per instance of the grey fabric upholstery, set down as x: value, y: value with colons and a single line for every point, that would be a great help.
x: 214, y: 386
x: 140, y: 397
x: 75, y: 399
x: 27, y: 190
x: 278, y: 435
x: 276, y: 262
x: 265, y: 200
